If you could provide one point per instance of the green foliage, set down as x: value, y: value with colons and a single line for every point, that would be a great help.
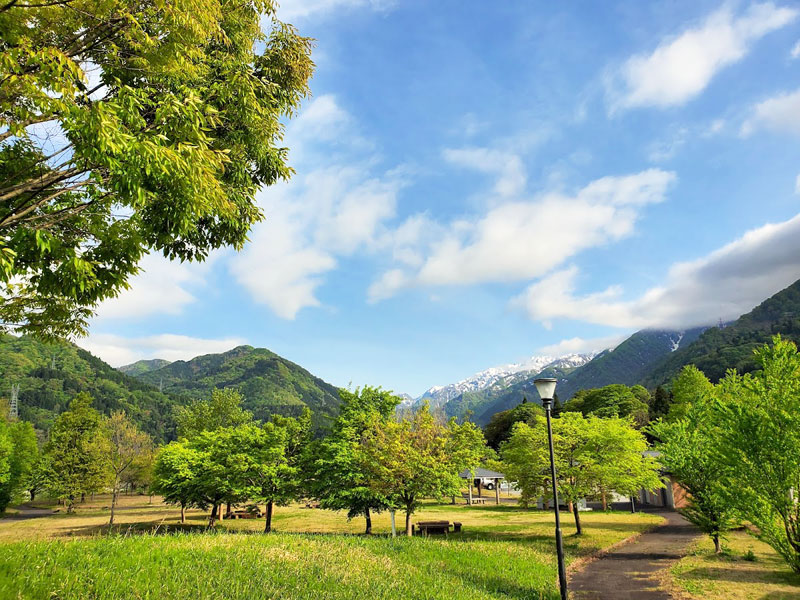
x: 592, y: 455
x: 338, y: 478
x: 23, y: 456
x: 612, y: 400
x: 174, y: 472
x: 6, y: 454
x: 498, y: 430
x: 76, y: 452
x: 125, y: 446
x: 418, y: 458
x: 688, y: 446
x: 759, y: 431
x: 733, y: 346
x: 268, y: 383
x: 223, y: 409
x: 184, y: 126
x: 691, y: 387
x: 50, y: 375
x: 143, y: 366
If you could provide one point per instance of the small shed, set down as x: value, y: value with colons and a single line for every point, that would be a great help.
x: 481, y: 477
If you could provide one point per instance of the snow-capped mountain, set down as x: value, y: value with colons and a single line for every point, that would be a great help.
x: 506, y: 374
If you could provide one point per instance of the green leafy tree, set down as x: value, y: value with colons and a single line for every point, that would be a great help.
x: 338, y: 477
x: 174, y: 473
x: 167, y: 119
x: 759, y: 441
x: 223, y: 409
x: 592, y: 455
x: 6, y: 452
x: 264, y: 466
x: 24, y: 454
x: 76, y: 453
x: 612, y: 400
x: 498, y: 429
x: 688, y: 451
x: 414, y: 459
x: 659, y: 407
x: 126, y: 444
x: 690, y: 387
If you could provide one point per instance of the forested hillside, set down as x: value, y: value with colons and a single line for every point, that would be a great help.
x: 269, y: 383
x: 143, y: 366
x: 629, y: 362
x: 731, y: 347
x: 50, y: 375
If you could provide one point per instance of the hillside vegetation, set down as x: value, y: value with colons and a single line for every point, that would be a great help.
x: 269, y: 383
x: 51, y: 375
x: 731, y: 347
x: 143, y: 366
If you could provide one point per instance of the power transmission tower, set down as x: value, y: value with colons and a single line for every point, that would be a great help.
x: 14, y: 404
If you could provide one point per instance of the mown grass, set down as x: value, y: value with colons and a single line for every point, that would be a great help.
x: 504, y: 552
x: 746, y: 570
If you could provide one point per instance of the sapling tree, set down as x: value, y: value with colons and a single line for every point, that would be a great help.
x: 126, y: 444
x: 174, y: 474
x: 759, y: 441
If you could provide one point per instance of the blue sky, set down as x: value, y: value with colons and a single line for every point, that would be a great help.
x: 480, y: 182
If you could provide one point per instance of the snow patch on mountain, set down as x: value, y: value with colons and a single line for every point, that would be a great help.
x: 439, y: 394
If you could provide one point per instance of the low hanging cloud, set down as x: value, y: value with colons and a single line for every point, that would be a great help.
x: 578, y: 345
x: 522, y: 239
x: 337, y: 204
x: 723, y: 285
x: 118, y: 350
x: 162, y: 287
x: 681, y: 67
x: 779, y: 114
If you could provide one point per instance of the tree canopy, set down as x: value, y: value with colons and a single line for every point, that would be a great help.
x: 612, y: 400
x: 163, y: 121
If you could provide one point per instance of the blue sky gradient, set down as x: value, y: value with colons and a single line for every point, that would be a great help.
x: 477, y: 183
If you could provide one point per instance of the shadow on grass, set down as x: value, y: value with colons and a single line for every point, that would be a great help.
x: 714, y: 573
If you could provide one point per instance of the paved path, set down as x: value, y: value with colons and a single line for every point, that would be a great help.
x: 628, y: 572
x: 29, y: 512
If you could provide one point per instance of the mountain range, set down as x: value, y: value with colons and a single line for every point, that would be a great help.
x: 50, y: 374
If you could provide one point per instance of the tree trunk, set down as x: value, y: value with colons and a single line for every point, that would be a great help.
x: 368, y: 530
x: 633, y: 505
x: 717, y: 545
x: 228, y: 507
x: 83, y: 497
x: 408, y: 522
x: 183, y: 513
x: 604, y: 500
x: 212, y: 518
x: 113, y: 503
x: 577, y: 514
x: 569, y: 506
x: 33, y: 494
x: 268, y: 524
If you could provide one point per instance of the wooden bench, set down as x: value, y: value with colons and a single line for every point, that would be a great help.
x: 443, y: 527
x: 244, y: 514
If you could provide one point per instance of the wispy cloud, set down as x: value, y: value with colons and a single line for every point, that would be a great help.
x: 723, y: 285
x: 119, y: 350
x: 681, y: 67
x: 578, y: 345
x: 521, y: 238
x: 780, y: 114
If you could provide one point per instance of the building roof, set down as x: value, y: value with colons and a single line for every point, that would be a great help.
x: 480, y: 473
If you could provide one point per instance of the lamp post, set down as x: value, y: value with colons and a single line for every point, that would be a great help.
x: 546, y: 387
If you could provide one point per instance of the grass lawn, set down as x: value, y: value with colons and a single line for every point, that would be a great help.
x: 504, y: 552
x: 704, y: 575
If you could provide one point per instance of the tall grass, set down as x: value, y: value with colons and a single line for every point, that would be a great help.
x: 286, y: 566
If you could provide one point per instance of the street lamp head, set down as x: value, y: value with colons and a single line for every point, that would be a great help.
x: 546, y: 386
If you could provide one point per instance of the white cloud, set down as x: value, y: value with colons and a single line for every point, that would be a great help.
x: 723, y: 285
x: 163, y: 287
x: 508, y: 167
x: 578, y: 345
x: 795, y: 52
x: 521, y: 239
x: 298, y: 10
x: 336, y: 204
x: 780, y: 114
x: 681, y: 67
x: 118, y: 350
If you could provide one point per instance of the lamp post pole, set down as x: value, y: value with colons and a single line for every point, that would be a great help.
x: 548, y: 385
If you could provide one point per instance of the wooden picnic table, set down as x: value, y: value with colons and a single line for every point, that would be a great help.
x: 428, y: 527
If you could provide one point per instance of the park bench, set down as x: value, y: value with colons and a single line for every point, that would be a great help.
x: 443, y: 527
